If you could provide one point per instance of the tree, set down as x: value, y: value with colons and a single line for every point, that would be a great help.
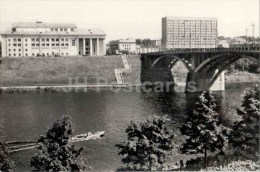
x: 231, y: 68
x: 245, y: 134
x: 221, y: 38
x: 55, y: 153
x: 138, y: 41
x: 203, y: 128
x: 6, y: 163
x: 254, y: 68
x: 148, y: 144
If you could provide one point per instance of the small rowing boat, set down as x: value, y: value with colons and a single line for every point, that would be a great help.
x: 87, y: 136
x: 16, y: 146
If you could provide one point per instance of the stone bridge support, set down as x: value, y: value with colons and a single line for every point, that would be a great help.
x: 202, y: 81
x: 158, y: 75
x: 201, y: 78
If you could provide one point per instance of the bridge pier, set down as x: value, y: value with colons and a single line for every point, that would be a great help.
x: 159, y: 75
x: 202, y: 81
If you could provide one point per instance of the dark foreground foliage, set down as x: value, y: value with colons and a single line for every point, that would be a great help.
x: 245, y: 134
x: 55, y: 153
x: 203, y: 129
x: 148, y: 145
x: 6, y: 163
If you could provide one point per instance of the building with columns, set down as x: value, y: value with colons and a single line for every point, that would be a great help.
x: 51, y: 39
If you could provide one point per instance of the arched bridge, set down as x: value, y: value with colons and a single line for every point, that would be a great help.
x: 205, y: 65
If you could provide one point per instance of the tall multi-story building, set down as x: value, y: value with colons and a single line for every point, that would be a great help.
x: 51, y: 39
x: 188, y: 32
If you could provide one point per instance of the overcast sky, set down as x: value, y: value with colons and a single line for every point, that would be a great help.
x: 132, y: 18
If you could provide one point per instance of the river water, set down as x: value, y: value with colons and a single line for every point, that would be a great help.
x: 25, y: 116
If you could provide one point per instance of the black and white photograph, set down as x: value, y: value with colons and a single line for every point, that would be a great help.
x: 129, y: 85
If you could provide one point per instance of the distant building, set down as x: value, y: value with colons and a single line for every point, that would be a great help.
x: 122, y: 46
x: 50, y: 39
x: 140, y: 50
x: 223, y: 43
x: 156, y: 43
x: 187, y: 32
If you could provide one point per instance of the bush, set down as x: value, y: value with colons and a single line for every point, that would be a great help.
x: 237, y: 166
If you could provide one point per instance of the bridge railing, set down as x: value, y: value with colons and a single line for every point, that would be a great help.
x: 219, y: 49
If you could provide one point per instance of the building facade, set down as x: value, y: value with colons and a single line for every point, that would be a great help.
x: 187, y: 32
x: 51, y: 39
x: 123, y: 45
x: 140, y: 50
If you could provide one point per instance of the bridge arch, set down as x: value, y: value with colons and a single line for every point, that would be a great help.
x: 173, y: 60
x: 227, y: 63
x: 206, y: 62
x: 220, y: 59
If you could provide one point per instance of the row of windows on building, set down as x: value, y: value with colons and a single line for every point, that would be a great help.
x: 191, y: 21
x: 188, y: 43
x: 178, y: 30
x: 38, y: 39
x: 17, y: 40
x: 43, y: 44
x: 34, y: 54
x: 200, y: 29
x: 18, y: 50
x: 126, y: 45
x: 170, y: 40
x: 209, y: 37
x: 192, y: 34
x: 50, y: 39
x: 62, y: 29
x: 193, y: 24
x: 48, y: 44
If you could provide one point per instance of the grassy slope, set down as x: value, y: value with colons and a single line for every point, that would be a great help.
x: 134, y: 77
x: 56, y: 70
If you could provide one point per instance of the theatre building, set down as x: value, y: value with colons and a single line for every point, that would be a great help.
x: 51, y: 39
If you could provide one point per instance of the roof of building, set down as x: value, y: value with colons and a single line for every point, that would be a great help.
x: 43, y: 25
x: 128, y: 40
x: 77, y: 32
x: 189, y: 18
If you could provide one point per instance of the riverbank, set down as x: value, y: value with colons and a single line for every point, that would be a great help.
x: 241, y: 77
x: 59, y: 88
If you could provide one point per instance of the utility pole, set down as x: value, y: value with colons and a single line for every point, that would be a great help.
x: 253, y: 33
x: 246, y: 36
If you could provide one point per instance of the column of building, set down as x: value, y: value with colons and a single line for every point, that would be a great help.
x: 84, y: 48
x: 91, y: 47
x: 23, y: 47
x: 59, y: 46
x: 97, y: 49
x: 77, y: 42
x: 40, y: 45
